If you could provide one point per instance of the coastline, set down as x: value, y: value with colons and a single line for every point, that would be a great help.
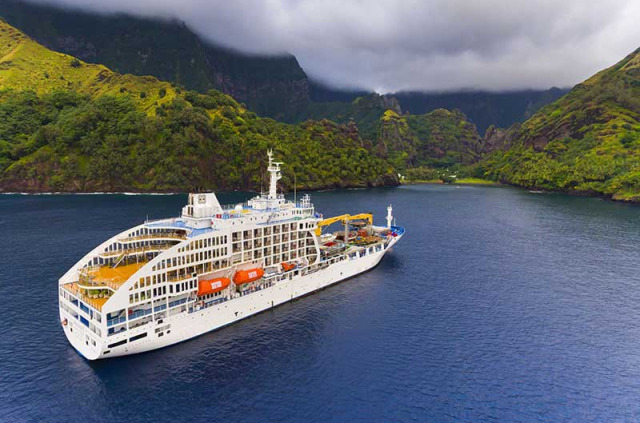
x: 461, y: 181
x: 533, y: 190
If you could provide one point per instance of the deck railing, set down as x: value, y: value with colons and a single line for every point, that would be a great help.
x: 87, y: 282
x: 179, y: 278
x: 116, y: 321
x: 93, y: 302
x: 173, y: 235
x: 130, y: 251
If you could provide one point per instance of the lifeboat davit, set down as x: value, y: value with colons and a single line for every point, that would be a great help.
x: 212, y: 286
x: 247, y: 276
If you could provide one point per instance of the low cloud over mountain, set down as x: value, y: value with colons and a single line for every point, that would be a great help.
x: 429, y: 45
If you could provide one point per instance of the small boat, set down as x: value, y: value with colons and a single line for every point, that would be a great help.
x: 206, y: 287
x: 287, y: 266
x: 247, y: 276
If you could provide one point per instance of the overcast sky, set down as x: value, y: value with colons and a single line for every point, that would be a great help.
x: 428, y: 45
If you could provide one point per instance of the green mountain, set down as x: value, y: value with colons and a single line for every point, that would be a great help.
x: 68, y: 125
x: 485, y: 110
x: 586, y: 142
x: 168, y: 50
x: 366, y: 111
x: 482, y: 108
x: 440, y: 139
x: 270, y: 86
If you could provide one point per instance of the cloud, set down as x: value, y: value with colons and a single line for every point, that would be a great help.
x: 428, y: 45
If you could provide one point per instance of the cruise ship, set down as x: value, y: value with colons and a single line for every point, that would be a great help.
x: 166, y: 281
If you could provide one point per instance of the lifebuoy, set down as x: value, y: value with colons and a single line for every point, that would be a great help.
x: 65, y: 322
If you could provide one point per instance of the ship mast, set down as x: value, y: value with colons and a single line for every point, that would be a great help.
x: 275, y: 175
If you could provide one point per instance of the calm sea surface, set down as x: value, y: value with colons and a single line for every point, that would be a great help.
x: 498, y: 305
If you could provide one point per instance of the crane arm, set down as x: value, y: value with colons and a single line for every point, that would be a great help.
x: 343, y: 218
x: 329, y: 221
x: 364, y: 216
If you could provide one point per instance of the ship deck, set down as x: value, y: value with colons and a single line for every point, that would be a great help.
x: 96, y: 303
x: 113, y: 276
x: 98, y: 277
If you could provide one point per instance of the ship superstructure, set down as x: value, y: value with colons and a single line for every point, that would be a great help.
x: 169, y: 280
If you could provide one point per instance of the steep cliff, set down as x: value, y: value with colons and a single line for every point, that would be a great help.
x: 168, y: 50
x: 586, y: 142
x: 483, y: 108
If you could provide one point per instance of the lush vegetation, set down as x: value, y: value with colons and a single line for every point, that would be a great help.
x: 586, y: 142
x: 364, y: 111
x: 168, y: 50
x: 26, y: 65
x: 66, y: 141
x: 429, y: 146
x: 66, y: 125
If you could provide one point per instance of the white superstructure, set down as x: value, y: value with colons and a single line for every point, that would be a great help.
x: 169, y: 280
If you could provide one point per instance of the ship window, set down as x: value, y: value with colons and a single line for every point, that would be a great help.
x: 117, y: 344
x: 135, y: 338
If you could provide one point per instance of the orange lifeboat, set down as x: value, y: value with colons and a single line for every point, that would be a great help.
x: 247, y: 276
x: 287, y: 266
x: 212, y: 286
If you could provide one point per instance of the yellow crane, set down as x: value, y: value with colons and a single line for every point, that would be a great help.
x: 345, y: 219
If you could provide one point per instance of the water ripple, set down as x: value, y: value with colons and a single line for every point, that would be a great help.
x: 498, y: 306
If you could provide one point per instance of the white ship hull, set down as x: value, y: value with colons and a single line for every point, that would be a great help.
x: 186, y: 325
x: 170, y: 280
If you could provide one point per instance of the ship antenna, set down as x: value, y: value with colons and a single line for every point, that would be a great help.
x: 294, y: 188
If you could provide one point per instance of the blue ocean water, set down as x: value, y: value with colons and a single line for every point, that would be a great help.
x: 498, y: 305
